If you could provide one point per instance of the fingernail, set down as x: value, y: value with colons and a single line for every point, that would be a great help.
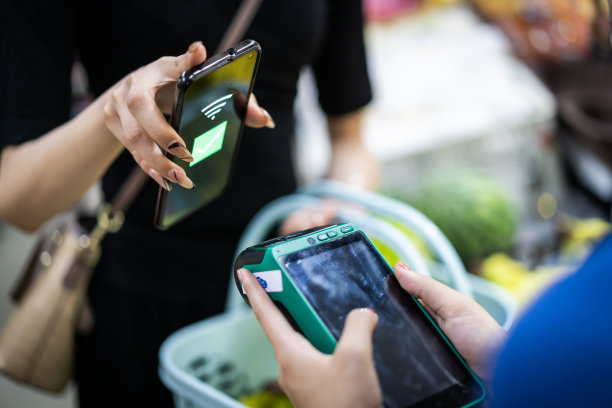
x: 193, y: 46
x: 181, y: 179
x: 180, y: 151
x: 404, y: 266
x: 159, y: 179
x: 367, y: 309
x: 269, y: 121
x: 240, y: 274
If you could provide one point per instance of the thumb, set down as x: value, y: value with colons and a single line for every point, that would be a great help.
x: 196, y: 54
x: 357, y: 334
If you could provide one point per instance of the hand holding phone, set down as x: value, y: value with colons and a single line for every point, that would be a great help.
x: 209, y: 114
x: 133, y: 113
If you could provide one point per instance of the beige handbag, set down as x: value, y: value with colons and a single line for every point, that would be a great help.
x: 37, y: 342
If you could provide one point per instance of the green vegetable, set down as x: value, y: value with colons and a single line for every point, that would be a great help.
x: 471, y: 209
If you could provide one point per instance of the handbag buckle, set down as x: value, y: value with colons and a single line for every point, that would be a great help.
x: 106, y: 223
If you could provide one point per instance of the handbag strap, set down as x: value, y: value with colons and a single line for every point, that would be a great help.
x: 137, y: 178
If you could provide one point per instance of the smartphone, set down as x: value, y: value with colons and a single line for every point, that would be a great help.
x: 325, y: 274
x: 209, y: 111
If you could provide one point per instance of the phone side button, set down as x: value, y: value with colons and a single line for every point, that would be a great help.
x: 322, y: 237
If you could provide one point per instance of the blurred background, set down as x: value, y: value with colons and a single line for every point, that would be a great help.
x: 494, y: 118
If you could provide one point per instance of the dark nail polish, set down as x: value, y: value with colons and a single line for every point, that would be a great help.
x: 181, y: 179
x: 180, y: 151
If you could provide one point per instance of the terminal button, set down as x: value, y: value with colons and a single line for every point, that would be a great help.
x: 322, y: 237
x: 332, y: 234
x: 346, y: 229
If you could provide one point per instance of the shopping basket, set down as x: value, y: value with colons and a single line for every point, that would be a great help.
x: 212, y: 363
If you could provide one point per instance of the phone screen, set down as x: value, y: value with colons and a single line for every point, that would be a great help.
x: 415, y: 364
x: 211, y: 114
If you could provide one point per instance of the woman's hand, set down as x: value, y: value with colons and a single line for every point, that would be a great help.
x: 133, y: 113
x: 346, y: 379
x: 306, y: 218
x: 475, y: 334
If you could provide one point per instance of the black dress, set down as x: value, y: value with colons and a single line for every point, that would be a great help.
x: 150, y: 283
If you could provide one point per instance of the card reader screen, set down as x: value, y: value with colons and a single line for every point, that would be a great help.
x: 415, y: 365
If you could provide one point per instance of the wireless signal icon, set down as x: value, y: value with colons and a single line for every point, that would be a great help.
x: 211, y: 110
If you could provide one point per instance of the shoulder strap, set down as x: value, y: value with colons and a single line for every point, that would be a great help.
x: 137, y: 178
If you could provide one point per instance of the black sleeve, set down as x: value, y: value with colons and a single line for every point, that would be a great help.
x: 340, y: 68
x: 36, y: 55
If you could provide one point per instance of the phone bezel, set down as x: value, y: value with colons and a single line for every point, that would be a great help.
x: 186, y: 79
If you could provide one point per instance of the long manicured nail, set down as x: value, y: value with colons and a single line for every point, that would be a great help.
x: 181, y: 179
x: 180, y: 151
x: 159, y: 179
x: 269, y: 121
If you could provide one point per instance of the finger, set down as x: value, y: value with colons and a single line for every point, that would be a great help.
x: 437, y: 297
x: 147, y: 168
x: 145, y: 110
x: 275, y: 326
x: 141, y: 104
x: 356, y: 337
x: 113, y: 122
x: 298, y: 221
x: 257, y: 116
x: 142, y: 147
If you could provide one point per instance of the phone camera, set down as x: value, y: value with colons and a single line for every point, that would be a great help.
x: 231, y: 52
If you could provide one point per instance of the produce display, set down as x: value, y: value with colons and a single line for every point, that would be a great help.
x: 546, y: 30
x: 577, y: 239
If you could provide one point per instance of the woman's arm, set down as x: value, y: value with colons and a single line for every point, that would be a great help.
x: 351, y: 161
x: 40, y: 178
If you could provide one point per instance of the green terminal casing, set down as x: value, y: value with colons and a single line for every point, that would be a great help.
x: 269, y: 256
